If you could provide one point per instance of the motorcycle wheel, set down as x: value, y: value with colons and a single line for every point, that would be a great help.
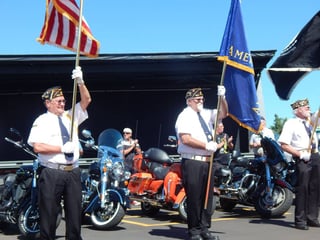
x: 29, y: 221
x: 108, y: 217
x: 149, y: 210
x: 282, y: 200
x: 227, y: 204
x: 183, y: 209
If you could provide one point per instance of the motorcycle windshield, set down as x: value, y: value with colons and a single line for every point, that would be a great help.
x: 273, y: 151
x: 112, y: 139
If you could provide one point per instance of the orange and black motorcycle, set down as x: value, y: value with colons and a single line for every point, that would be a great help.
x: 157, y: 183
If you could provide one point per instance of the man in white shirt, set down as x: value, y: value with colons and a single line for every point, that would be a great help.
x: 58, y: 156
x: 296, y: 140
x: 255, y: 139
x: 196, y: 145
x: 131, y: 147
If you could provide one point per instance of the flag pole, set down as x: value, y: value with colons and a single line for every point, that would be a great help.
x: 313, y: 130
x: 214, y: 137
x: 74, y: 95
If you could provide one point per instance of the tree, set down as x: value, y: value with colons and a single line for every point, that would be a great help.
x: 277, y: 125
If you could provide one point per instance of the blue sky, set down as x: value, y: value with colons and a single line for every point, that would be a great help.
x: 160, y: 26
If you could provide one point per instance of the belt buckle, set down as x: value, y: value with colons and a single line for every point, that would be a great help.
x: 61, y: 167
x: 66, y: 167
x: 201, y: 158
x: 206, y: 159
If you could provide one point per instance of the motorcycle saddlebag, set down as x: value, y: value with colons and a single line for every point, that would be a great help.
x: 172, y: 185
x: 6, y: 185
x: 155, y: 186
x: 139, y: 183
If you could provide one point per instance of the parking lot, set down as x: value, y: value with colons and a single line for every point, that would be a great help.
x: 241, y: 224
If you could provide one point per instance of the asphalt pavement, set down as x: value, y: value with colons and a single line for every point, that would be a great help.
x: 241, y: 224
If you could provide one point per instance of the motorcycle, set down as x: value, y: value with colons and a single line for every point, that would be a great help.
x: 157, y: 183
x: 105, y: 196
x: 257, y: 181
x: 18, y: 194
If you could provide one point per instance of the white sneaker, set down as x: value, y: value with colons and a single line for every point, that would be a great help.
x: 135, y: 203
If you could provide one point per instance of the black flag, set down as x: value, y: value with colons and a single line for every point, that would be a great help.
x: 300, y: 57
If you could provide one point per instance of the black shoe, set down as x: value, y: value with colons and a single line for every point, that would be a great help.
x: 209, y: 236
x: 195, y: 237
x: 301, y: 227
x: 313, y: 223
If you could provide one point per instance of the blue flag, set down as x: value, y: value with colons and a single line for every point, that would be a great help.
x: 241, y: 93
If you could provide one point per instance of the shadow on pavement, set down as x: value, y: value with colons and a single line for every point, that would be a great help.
x: 173, y: 232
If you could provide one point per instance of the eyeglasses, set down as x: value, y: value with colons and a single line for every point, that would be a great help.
x: 126, y: 133
x: 198, y: 99
x: 59, y: 101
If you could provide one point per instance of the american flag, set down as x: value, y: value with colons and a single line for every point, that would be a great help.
x: 61, y: 28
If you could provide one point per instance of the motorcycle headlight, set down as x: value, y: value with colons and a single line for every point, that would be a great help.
x: 109, y: 164
x: 117, y: 170
x: 127, y: 175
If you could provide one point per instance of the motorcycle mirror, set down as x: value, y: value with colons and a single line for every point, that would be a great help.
x: 235, y: 153
x: 89, y: 143
x: 15, y: 135
x: 172, y: 138
x: 86, y: 133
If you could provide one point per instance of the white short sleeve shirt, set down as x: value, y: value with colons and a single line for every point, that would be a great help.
x: 45, y: 129
x: 188, y: 122
x: 294, y: 134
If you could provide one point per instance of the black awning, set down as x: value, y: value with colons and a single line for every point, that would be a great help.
x: 117, y: 71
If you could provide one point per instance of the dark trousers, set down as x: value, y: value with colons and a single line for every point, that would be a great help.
x: 195, y: 176
x: 53, y: 186
x: 307, y: 190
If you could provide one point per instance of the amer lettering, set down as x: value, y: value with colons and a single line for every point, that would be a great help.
x: 242, y: 56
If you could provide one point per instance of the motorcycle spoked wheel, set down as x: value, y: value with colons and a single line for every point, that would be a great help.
x: 108, y: 217
x: 29, y: 221
x: 282, y: 201
x: 183, y: 207
x: 150, y: 210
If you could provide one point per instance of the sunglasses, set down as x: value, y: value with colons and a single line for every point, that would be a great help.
x: 126, y: 133
x: 59, y: 101
x: 198, y: 99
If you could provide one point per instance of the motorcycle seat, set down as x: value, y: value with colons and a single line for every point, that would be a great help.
x: 157, y: 155
x: 159, y: 172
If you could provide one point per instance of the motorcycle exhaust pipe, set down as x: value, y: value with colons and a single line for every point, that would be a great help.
x: 146, y: 200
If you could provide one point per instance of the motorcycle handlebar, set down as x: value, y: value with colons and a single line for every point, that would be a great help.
x: 22, y: 146
x: 13, y: 142
x: 170, y: 145
x: 89, y: 144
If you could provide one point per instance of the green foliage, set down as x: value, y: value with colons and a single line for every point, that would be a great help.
x: 277, y: 124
